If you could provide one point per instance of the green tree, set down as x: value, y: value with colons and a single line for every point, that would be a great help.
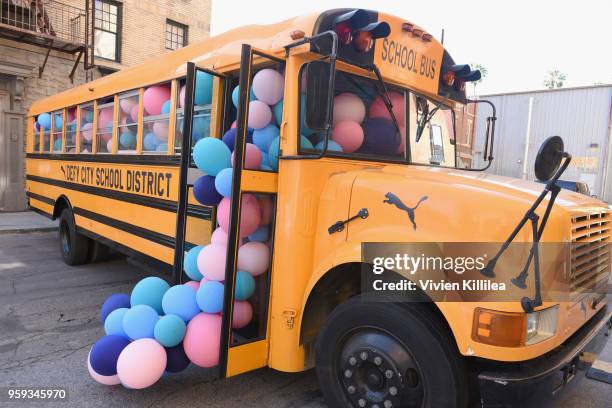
x: 554, y: 79
x: 483, y: 73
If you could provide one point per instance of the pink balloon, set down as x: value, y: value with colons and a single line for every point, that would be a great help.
x: 193, y: 284
x: 141, y: 363
x: 109, y: 146
x: 128, y: 104
x: 233, y: 125
x: 102, y: 379
x: 348, y: 134
x: 182, y: 97
x: 161, y: 130
x: 104, y: 117
x: 250, y: 215
x: 267, y: 208
x: 87, y: 131
x: 243, y: 314
x: 254, y: 258
x: 211, y: 261
x: 268, y: 86
x: 134, y: 114
x: 106, y: 137
x: 259, y: 115
x: 379, y: 110
x: 348, y: 106
x: 204, y: 280
x: 253, y: 157
x: 154, y: 98
x: 202, y: 340
x: 218, y: 237
x: 71, y: 115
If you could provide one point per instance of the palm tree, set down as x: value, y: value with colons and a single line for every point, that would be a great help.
x: 483, y: 73
x: 554, y: 79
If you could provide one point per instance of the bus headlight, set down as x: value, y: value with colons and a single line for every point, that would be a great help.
x: 508, y: 329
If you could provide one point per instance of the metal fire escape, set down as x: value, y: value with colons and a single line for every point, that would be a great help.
x: 52, y: 25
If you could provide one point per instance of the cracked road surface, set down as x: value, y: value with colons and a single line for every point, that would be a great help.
x: 49, y: 318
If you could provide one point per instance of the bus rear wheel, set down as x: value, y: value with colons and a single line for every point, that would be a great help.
x: 73, y: 245
x: 381, y: 355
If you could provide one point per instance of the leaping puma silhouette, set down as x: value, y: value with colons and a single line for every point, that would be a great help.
x: 395, y: 200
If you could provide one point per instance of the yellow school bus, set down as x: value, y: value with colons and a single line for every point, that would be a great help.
x: 339, y: 193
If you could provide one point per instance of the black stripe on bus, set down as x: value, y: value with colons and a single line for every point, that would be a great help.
x: 147, y: 234
x: 147, y: 160
x: 41, y: 198
x: 157, y: 203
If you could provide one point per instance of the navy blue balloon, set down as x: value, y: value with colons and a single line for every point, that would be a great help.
x: 105, y: 353
x: 229, y: 138
x: 380, y: 137
x: 205, y: 192
x: 177, y: 359
x: 114, y: 302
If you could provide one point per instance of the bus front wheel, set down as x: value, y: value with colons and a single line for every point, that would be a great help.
x: 382, y: 354
x: 73, y: 245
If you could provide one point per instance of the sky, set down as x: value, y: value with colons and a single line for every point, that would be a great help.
x: 517, y: 41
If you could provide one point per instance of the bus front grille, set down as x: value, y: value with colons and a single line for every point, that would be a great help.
x: 591, y: 252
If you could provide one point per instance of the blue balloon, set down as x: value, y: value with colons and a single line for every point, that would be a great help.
x: 177, y: 359
x: 211, y: 155
x: 162, y: 147
x: 44, y: 120
x: 114, y: 302
x: 166, y: 107
x: 149, y: 291
x: 229, y: 138
x: 263, y: 137
x: 205, y: 192
x: 210, y: 297
x: 305, y: 143
x: 105, y: 353
x: 273, y: 153
x: 139, y: 322
x: 252, y: 96
x: 245, y: 285
x: 203, y: 88
x: 88, y: 117
x: 236, y: 95
x: 190, y: 263
x: 262, y: 234
x: 304, y: 130
x: 170, y: 330
x: 181, y: 301
x: 278, y: 112
x: 58, y: 121
x: 127, y: 140
x: 200, y: 128
x: 113, y: 325
x: 266, y: 167
x: 150, y: 142
x: 223, y: 182
x: 57, y: 145
x: 331, y: 146
x: 264, y: 159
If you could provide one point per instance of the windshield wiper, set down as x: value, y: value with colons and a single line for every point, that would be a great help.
x: 385, y: 96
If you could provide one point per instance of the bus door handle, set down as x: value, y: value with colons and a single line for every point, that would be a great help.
x: 339, y: 225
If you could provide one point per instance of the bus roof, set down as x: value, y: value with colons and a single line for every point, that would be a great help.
x: 224, y: 50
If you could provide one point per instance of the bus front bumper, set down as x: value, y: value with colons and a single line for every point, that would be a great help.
x: 539, y: 382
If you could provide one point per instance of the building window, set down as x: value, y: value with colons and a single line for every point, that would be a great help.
x: 107, y: 33
x: 176, y: 35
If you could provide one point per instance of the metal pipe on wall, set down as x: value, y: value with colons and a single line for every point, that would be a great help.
x: 527, y: 137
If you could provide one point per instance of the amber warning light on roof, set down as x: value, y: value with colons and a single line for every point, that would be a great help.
x: 355, y: 27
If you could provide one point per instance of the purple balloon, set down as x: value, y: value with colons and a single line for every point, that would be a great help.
x: 177, y: 359
x: 114, y: 302
x: 229, y: 138
x: 380, y: 137
x: 205, y: 192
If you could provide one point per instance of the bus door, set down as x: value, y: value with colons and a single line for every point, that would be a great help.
x: 246, y: 218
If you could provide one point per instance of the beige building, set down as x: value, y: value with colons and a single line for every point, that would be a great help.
x: 47, y: 46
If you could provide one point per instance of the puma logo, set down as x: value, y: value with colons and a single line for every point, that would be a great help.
x: 395, y: 200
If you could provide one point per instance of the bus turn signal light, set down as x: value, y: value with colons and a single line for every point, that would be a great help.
x: 499, y: 328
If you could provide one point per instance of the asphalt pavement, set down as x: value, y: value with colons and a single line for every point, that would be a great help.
x: 49, y: 318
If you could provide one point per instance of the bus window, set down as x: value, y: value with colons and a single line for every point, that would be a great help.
x: 127, y: 123
x: 86, y: 127
x: 362, y: 124
x: 44, y: 120
x: 202, y: 109
x: 56, y: 131
x: 38, y: 132
x: 156, y: 101
x: 104, y: 133
x: 71, y: 127
x: 435, y: 123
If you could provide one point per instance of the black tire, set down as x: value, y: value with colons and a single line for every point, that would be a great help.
x: 98, y: 252
x: 73, y: 246
x: 383, y: 354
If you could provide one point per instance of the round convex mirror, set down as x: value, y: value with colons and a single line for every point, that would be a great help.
x: 549, y: 158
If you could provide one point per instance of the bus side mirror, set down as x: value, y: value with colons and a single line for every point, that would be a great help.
x: 548, y: 159
x: 317, y: 95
